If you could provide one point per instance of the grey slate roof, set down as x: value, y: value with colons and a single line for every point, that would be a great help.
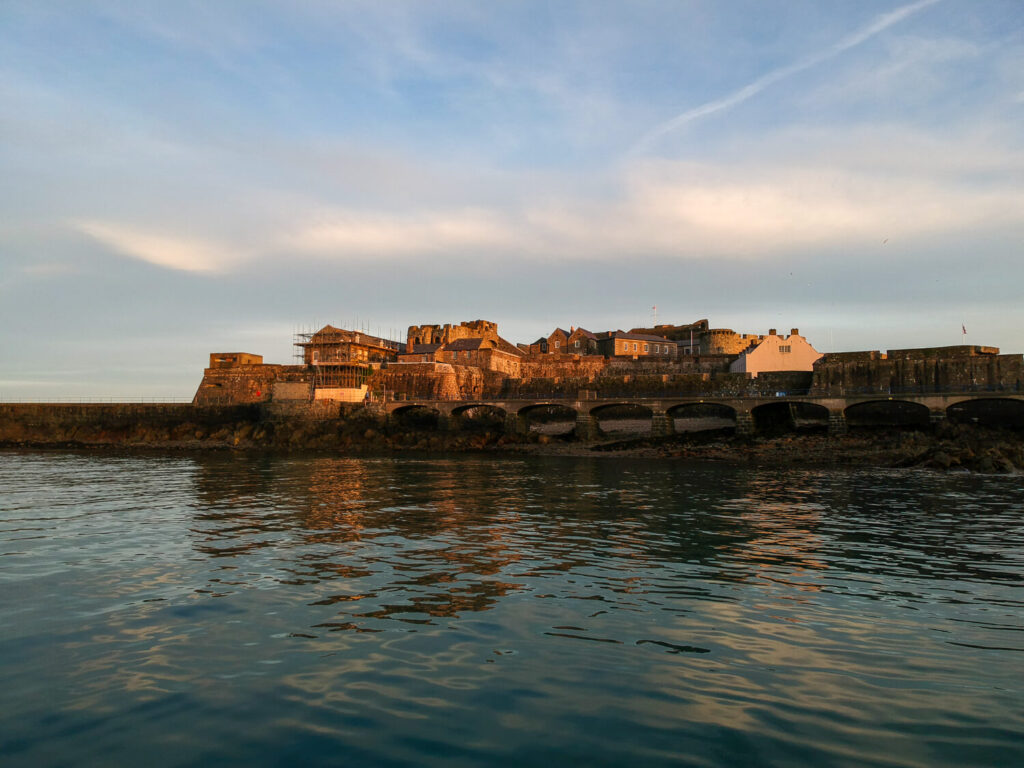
x: 423, y: 349
x: 637, y: 337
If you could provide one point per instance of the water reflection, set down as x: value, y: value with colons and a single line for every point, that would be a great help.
x: 502, y: 611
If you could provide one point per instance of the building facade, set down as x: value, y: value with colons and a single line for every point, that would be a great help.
x: 777, y: 353
x: 636, y: 345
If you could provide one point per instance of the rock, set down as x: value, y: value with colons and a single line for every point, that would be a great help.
x: 1004, y: 466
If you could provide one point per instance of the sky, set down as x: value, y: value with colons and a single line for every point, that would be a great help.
x: 180, y: 178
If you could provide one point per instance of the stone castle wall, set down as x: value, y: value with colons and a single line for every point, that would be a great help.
x: 443, y: 334
x: 427, y: 381
x: 554, y: 366
x: 924, y: 374
x: 725, y: 341
x: 108, y: 423
x: 245, y: 383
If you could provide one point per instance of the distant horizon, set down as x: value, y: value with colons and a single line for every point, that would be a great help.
x: 128, y: 397
x: 186, y: 178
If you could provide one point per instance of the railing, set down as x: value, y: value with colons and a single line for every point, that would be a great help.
x: 921, y: 390
x: 389, y: 397
x: 707, y: 396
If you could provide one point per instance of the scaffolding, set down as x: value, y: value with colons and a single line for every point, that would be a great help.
x: 341, y: 358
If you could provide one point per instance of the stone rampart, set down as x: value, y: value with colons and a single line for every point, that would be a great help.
x: 851, y: 357
x: 943, y: 353
x: 111, y: 423
x: 242, y: 384
x: 555, y: 366
x: 427, y: 381
x: 993, y: 373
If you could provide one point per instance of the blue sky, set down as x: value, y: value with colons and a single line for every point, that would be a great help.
x: 188, y: 177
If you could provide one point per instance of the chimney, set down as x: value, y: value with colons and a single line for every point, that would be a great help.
x: 771, y: 332
x: 794, y: 331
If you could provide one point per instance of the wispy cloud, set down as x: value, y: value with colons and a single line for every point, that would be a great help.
x: 172, y: 252
x: 350, y: 234
x: 49, y: 269
x: 880, y: 24
x: 801, y: 191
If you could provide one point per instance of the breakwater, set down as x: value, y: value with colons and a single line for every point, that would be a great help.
x: 334, y: 428
x: 311, y: 426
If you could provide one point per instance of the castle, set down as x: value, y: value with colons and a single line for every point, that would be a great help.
x: 471, y: 360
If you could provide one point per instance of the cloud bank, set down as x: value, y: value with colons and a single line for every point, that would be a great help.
x: 873, y: 189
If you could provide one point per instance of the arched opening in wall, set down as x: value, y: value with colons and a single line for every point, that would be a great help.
x: 552, y: 419
x: 809, y: 417
x: 989, y: 412
x: 892, y: 414
x: 480, y: 418
x: 702, y: 417
x: 624, y: 419
x: 414, y: 418
x: 787, y: 416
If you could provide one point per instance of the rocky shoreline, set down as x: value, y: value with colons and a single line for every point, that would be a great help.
x: 949, y: 447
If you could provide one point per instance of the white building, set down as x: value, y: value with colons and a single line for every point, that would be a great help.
x: 775, y: 353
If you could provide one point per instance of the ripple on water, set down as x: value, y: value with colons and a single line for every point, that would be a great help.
x: 509, y: 611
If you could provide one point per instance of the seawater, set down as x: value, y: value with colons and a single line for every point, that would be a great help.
x: 170, y: 610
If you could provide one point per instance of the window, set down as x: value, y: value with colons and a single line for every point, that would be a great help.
x: 646, y: 347
x: 577, y: 343
x: 657, y: 348
x: 634, y: 346
x: 557, y: 342
x: 785, y: 349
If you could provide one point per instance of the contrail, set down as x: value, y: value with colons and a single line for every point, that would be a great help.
x: 880, y: 24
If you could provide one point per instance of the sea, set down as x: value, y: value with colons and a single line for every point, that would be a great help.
x: 176, y: 609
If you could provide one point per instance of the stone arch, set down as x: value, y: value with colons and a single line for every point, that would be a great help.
x: 701, y: 417
x: 533, y: 408
x: 479, y: 417
x: 416, y: 416
x: 789, y: 416
x: 989, y: 412
x: 623, y: 418
x: 551, y: 418
x: 412, y: 406
x: 461, y: 410
x: 902, y: 414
